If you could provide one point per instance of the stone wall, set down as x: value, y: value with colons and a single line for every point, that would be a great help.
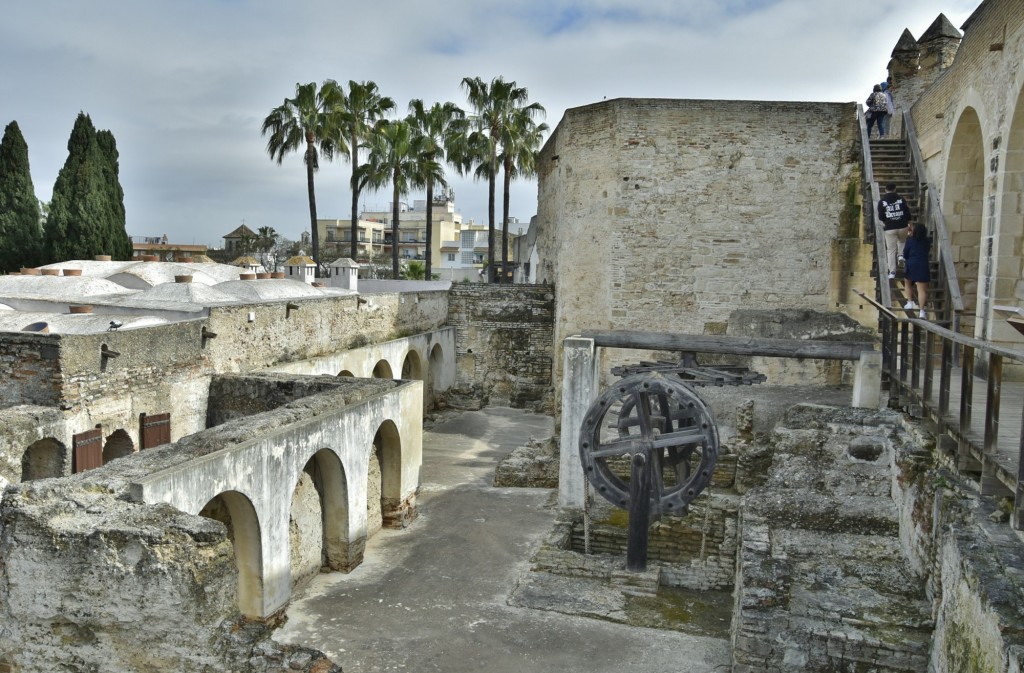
x: 970, y: 125
x: 318, y: 327
x: 823, y: 582
x: 667, y: 215
x: 503, y: 342
x: 92, y: 582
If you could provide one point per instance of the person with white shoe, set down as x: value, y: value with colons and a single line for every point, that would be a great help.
x: 917, y: 272
x: 894, y: 213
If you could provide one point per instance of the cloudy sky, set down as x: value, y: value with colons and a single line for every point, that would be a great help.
x: 184, y: 85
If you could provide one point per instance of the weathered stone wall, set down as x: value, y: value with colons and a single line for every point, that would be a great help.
x: 21, y: 427
x: 30, y: 368
x: 823, y: 583
x: 92, y: 582
x: 319, y: 327
x: 667, y: 215
x: 970, y: 124
x: 503, y: 342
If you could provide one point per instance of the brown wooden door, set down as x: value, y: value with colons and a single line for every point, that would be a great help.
x: 154, y: 430
x: 87, y: 449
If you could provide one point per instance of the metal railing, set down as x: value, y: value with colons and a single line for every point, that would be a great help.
x: 920, y: 361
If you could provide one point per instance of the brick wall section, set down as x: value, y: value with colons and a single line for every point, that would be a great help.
x: 503, y: 341
x: 30, y: 369
x: 666, y: 215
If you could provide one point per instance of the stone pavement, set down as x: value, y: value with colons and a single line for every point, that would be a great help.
x: 432, y: 597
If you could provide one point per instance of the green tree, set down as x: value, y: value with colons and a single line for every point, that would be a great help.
x: 521, y: 140
x: 87, y: 211
x: 493, y: 105
x: 441, y: 126
x: 395, y: 157
x: 415, y: 270
x: 21, y: 233
x: 266, y: 241
x: 120, y: 243
x: 306, y: 122
x: 361, y: 108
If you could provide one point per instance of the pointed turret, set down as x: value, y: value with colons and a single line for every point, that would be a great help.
x: 905, y: 57
x: 939, y: 44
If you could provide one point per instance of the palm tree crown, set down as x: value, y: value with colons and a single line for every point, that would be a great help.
x: 395, y: 156
x: 362, y: 107
x: 494, y: 104
x: 305, y: 121
x: 441, y: 127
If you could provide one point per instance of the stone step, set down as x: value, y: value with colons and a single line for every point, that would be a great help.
x: 636, y: 583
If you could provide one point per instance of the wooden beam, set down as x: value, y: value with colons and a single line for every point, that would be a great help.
x: 801, y: 349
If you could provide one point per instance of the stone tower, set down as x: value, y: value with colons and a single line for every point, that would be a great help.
x: 938, y: 45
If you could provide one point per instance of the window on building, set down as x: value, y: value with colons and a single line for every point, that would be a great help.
x: 451, y: 256
x: 467, y: 259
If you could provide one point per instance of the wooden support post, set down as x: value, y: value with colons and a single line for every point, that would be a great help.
x: 639, y: 513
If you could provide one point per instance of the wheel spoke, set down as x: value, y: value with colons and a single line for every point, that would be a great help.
x: 621, y: 447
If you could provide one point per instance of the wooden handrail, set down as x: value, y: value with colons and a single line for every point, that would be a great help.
x: 936, y: 222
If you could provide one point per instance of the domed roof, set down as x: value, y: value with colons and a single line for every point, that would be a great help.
x: 268, y: 289
x: 58, y: 287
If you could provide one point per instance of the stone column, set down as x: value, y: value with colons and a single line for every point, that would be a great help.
x: 579, y: 390
x: 867, y: 381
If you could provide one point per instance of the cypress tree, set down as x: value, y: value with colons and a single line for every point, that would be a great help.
x: 120, y: 242
x: 87, y: 210
x: 21, y: 233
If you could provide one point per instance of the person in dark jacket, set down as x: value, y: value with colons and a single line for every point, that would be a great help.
x: 917, y: 272
x: 894, y: 213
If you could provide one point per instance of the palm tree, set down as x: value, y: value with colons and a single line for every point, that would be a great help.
x: 520, y: 142
x: 305, y: 121
x: 395, y: 156
x: 363, y: 106
x: 493, y: 104
x: 266, y: 239
x: 440, y: 126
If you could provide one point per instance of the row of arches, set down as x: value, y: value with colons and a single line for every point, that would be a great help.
x: 49, y: 458
x: 413, y: 369
x: 323, y: 531
x: 983, y: 206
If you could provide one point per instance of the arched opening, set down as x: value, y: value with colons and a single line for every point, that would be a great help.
x: 345, y: 372
x: 1008, y: 283
x: 118, y: 445
x: 963, y: 200
x: 236, y: 512
x: 382, y: 370
x: 306, y: 527
x: 43, y: 459
x: 385, y: 479
x: 319, y: 526
x: 434, y: 365
x: 412, y: 367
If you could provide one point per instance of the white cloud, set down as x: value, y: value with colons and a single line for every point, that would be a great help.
x: 184, y: 86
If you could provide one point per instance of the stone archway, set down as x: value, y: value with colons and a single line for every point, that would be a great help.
x: 118, y: 445
x: 319, y: 524
x: 1008, y: 243
x: 395, y: 512
x: 435, y: 363
x: 238, y: 515
x: 412, y: 367
x: 345, y: 373
x: 43, y: 459
x: 382, y: 370
x: 963, y: 201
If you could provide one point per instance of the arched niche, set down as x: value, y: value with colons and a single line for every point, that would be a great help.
x: 382, y: 370
x: 43, y: 459
x: 412, y: 366
x: 118, y: 445
x: 238, y: 515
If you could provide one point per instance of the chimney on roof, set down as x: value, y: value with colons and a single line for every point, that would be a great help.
x: 102, y: 258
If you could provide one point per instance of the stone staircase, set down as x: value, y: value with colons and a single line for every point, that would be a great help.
x: 889, y: 163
